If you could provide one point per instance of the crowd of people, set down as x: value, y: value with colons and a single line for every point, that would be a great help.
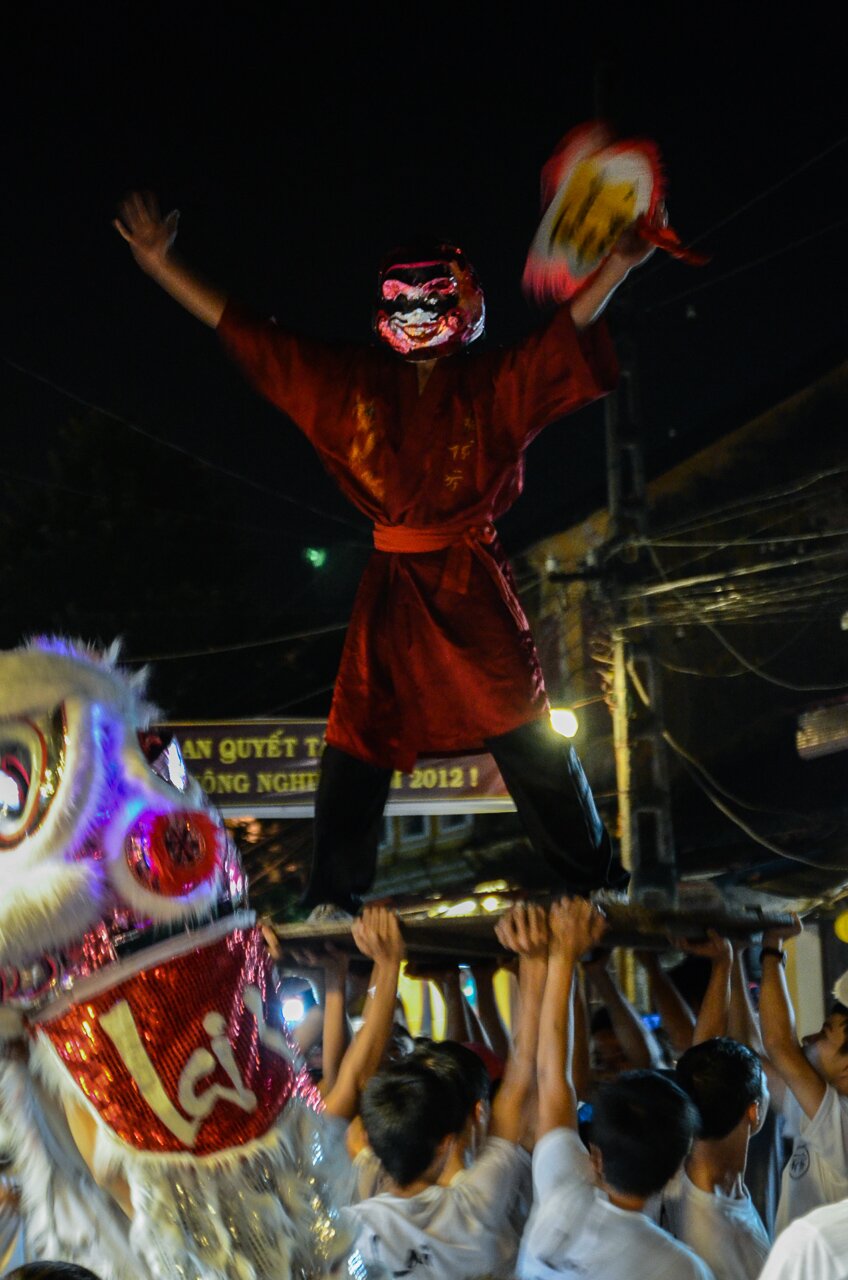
x: 592, y: 1141
x: 587, y: 1140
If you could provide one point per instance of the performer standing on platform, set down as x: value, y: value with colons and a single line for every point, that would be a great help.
x: 427, y: 439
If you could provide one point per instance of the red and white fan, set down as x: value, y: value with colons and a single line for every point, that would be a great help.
x: 594, y: 188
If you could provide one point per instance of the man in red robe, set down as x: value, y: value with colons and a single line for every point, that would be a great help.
x: 427, y: 439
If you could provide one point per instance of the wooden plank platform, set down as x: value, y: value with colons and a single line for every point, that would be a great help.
x: 466, y: 938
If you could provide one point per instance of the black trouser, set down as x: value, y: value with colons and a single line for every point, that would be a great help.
x: 544, y: 776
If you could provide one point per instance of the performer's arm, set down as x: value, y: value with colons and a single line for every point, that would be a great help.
x: 151, y: 239
x: 631, y: 251
x: 335, y: 1018
x: 377, y: 935
x: 777, y: 1020
x: 457, y: 1023
x: 581, y: 1064
x: 715, y: 1006
x: 639, y: 1044
x: 489, y: 1017
x: 575, y: 926
x: 677, y: 1019
x: 524, y: 931
x: 743, y: 1023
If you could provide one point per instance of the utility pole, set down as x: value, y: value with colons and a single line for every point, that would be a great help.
x: 645, y: 829
x: 641, y: 765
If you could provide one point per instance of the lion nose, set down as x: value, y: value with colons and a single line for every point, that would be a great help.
x: 174, y: 853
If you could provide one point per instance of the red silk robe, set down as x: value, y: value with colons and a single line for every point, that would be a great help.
x: 438, y: 654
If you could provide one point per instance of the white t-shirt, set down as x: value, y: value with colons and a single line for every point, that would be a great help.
x: 460, y: 1232
x: 812, y: 1248
x: 371, y: 1178
x: 726, y: 1231
x: 817, y: 1172
x: 575, y: 1231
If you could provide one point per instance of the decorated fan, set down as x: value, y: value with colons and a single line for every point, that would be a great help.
x: 594, y: 188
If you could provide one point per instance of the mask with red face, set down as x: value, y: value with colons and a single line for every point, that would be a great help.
x: 430, y: 302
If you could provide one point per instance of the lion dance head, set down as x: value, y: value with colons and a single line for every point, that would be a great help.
x: 153, y: 1107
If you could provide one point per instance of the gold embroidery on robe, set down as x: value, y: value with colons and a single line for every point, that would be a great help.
x: 366, y: 437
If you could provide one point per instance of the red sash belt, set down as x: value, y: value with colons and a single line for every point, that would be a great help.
x: 463, y: 541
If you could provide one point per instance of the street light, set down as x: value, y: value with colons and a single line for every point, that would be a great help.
x: 564, y: 721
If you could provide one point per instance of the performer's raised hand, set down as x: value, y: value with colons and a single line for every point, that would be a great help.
x: 524, y: 930
x: 633, y: 248
x: 272, y: 942
x: 576, y: 926
x: 377, y: 935
x: 151, y: 238
x: 780, y: 933
x: 149, y: 234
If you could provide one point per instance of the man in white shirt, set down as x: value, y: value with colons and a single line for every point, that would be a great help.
x: 812, y: 1248
x: 810, y: 1083
x: 707, y: 1205
x: 588, y: 1218
x: 463, y: 1230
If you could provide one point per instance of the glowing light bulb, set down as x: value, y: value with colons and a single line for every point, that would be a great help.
x: 466, y: 908
x: 293, y: 1010
x: 564, y: 721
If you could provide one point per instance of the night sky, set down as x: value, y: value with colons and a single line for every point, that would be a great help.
x: 298, y: 145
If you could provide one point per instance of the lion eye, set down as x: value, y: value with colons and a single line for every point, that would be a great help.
x: 31, y: 761
x: 14, y: 784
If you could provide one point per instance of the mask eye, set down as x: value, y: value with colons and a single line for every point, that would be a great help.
x: 31, y: 761
x: 444, y: 286
x: 165, y: 758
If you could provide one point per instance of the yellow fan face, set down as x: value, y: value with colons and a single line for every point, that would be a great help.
x: 595, y: 207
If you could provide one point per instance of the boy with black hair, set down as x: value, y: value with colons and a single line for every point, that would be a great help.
x: 587, y: 1217
x: 810, y: 1083
x: 464, y: 1073
x: 411, y: 1115
x: 707, y: 1204
x: 413, y: 1119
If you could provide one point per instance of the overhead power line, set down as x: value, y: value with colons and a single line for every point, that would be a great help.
x: 177, y: 448
x: 753, y: 668
x: 123, y: 500
x: 303, y: 697
x: 746, y: 266
x: 770, y: 190
x: 752, y: 504
x: 711, y: 789
x: 719, y: 576
x: 740, y: 671
x: 763, y: 194
x: 237, y: 648
x: 723, y: 545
